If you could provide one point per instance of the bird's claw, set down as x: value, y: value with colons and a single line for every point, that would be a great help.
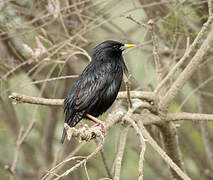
x: 103, y: 125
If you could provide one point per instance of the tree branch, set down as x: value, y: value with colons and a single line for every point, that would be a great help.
x: 187, y: 53
x: 187, y: 73
x: 119, y: 157
x: 162, y: 153
x: 20, y: 98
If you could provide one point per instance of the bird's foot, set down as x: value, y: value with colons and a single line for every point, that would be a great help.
x: 97, y: 122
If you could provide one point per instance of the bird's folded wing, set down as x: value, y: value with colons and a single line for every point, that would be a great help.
x: 91, y: 92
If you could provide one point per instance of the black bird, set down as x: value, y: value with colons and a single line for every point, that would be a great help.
x: 97, y: 86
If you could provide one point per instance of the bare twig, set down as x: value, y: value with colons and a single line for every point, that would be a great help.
x: 141, y: 159
x: 137, y: 22
x: 119, y: 157
x: 16, y: 156
x: 100, y: 146
x: 186, y: 54
x: 187, y: 73
x: 149, y: 118
x: 105, y: 164
x: 20, y: 98
x: 142, y: 143
x: 210, y: 7
x: 162, y: 153
x: 158, y: 65
x: 204, y: 82
x: 53, y: 171
x: 204, y: 125
x: 127, y: 83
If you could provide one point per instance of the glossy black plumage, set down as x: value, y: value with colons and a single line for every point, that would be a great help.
x: 97, y: 86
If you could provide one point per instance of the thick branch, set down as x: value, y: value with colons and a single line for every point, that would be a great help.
x: 153, y: 120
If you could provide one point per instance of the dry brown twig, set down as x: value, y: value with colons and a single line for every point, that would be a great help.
x: 170, y: 139
x: 105, y: 164
x: 162, y: 153
x: 55, y: 168
x: 141, y: 159
x: 124, y: 133
x: 137, y: 104
x: 137, y: 22
x: 76, y: 166
x: 187, y: 73
x: 120, y: 153
x: 158, y: 65
x: 16, y: 154
x: 187, y: 53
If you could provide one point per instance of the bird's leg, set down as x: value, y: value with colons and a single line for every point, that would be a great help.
x: 97, y: 121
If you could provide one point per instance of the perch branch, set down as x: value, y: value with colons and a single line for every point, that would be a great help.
x: 20, y: 98
x: 170, y: 117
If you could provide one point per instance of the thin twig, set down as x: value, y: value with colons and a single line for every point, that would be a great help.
x: 186, y: 54
x: 119, y: 157
x: 67, y: 172
x: 16, y: 156
x: 158, y: 65
x: 105, y: 164
x: 127, y: 83
x: 60, y: 165
x: 137, y: 22
x: 187, y: 73
x: 141, y: 159
x: 210, y: 7
x: 162, y: 153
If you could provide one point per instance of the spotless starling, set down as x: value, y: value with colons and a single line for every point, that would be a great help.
x: 97, y: 86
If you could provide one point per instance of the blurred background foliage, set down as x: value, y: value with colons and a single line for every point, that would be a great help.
x: 40, y: 40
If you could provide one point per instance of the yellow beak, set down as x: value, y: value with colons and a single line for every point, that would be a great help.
x: 129, y: 45
x: 126, y: 46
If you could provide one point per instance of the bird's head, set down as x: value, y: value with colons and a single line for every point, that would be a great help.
x: 111, y: 48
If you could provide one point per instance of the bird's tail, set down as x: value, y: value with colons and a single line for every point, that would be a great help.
x: 63, y: 135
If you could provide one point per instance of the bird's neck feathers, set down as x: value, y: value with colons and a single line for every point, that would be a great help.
x: 115, y: 58
x: 107, y: 55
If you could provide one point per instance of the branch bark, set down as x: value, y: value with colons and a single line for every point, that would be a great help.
x: 20, y: 98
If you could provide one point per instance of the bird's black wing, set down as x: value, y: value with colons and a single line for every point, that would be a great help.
x: 86, y: 91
